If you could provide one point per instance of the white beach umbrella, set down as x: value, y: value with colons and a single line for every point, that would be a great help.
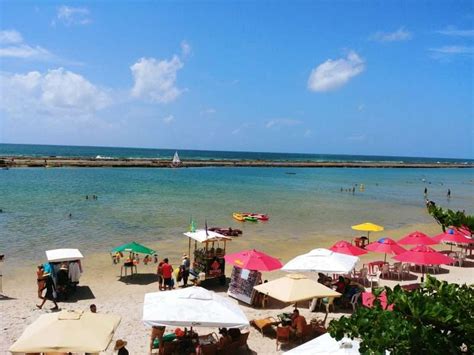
x: 201, y: 235
x: 322, y: 260
x: 57, y: 255
x: 325, y: 344
x: 192, y: 307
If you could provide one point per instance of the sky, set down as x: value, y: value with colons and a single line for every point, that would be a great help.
x: 340, y: 77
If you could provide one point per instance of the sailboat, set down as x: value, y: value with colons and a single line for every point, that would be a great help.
x: 176, y: 161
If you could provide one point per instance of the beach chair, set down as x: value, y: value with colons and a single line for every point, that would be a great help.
x: 263, y: 324
x: 243, y: 340
x: 361, y: 276
x: 397, y: 270
x: 282, y: 336
x: 374, y: 278
x: 328, y: 302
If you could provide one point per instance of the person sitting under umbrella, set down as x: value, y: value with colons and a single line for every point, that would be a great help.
x: 298, y: 322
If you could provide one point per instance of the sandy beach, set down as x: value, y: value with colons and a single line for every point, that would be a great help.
x: 100, y: 285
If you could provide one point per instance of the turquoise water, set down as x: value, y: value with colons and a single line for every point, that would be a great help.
x: 149, y: 205
x: 116, y: 152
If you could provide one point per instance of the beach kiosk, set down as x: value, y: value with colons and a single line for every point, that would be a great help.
x: 208, y: 256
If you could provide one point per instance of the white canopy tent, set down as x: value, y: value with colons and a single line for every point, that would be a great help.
x: 201, y: 236
x: 192, y: 307
x: 58, y: 255
x: 68, y: 331
x: 322, y: 260
x: 325, y: 344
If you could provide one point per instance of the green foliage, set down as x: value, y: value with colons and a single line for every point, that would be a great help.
x: 448, y: 218
x: 435, y: 319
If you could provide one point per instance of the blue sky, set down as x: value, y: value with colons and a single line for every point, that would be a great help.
x: 345, y: 77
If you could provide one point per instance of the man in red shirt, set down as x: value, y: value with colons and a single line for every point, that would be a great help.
x: 167, y: 271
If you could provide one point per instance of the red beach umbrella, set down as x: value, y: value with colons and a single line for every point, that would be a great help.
x: 453, y: 236
x: 253, y: 260
x: 345, y: 247
x: 423, y: 255
x: 417, y: 238
x: 385, y: 245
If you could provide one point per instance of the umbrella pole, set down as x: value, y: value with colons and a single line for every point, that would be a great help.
x: 385, y: 258
x: 368, y: 237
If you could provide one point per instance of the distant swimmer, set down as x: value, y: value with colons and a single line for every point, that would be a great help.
x: 449, y: 193
x: 87, y: 197
x: 426, y: 191
x: 353, y: 190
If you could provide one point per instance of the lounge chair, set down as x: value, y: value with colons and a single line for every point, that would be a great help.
x: 265, y: 323
x: 282, y: 336
x: 385, y: 271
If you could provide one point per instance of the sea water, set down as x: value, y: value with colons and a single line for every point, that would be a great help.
x: 45, y: 208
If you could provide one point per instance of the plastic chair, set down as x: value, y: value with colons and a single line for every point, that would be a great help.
x: 328, y: 302
x: 361, y: 276
x: 282, y: 336
x: 374, y: 278
x: 397, y: 270
x: 354, y: 300
x: 385, y: 270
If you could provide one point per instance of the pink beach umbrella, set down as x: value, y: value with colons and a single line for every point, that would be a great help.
x: 423, y: 255
x: 417, y: 238
x: 253, y: 260
x: 385, y: 245
x: 345, y: 247
x: 453, y: 236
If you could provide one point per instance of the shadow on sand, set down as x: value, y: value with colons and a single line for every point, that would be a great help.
x: 139, y: 279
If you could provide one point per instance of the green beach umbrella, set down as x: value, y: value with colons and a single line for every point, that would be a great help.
x: 135, y: 248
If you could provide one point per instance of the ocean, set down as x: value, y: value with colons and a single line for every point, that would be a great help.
x: 150, y: 205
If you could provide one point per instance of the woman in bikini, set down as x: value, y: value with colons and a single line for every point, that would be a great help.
x: 40, y: 281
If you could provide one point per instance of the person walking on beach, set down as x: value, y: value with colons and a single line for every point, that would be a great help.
x: 50, y: 293
x: 167, y: 270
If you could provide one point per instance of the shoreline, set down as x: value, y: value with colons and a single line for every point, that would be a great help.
x: 58, y: 162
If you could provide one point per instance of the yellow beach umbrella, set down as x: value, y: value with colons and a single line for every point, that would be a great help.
x: 367, y: 227
x: 293, y: 288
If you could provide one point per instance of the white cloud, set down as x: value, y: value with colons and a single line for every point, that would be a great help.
x: 277, y: 123
x: 185, y: 49
x: 333, y: 74
x: 72, y: 15
x: 155, y: 81
x: 449, y: 50
x: 13, y: 46
x: 208, y: 111
x: 57, y: 93
x: 168, y: 119
x: 361, y: 107
x: 399, y: 35
x: 453, y: 31
x: 10, y: 37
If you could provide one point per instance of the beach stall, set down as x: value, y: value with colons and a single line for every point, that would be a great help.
x: 68, y: 331
x: 66, y: 269
x: 209, y: 252
x: 59, y: 255
x: 131, y: 262
x: 246, y: 272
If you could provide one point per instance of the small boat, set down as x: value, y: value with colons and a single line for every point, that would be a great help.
x: 228, y: 232
x: 251, y: 218
x: 176, y: 161
x: 238, y: 216
x: 259, y: 216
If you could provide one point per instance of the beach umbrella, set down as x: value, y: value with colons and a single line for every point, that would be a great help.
x: 326, y: 344
x: 423, y: 255
x: 133, y: 247
x: 453, y: 236
x: 417, y: 238
x: 58, y: 255
x: 293, y: 288
x: 344, y: 247
x: 68, y: 331
x: 253, y: 260
x: 385, y: 245
x: 367, y: 227
x: 192, y: 307
x: 322, y: 260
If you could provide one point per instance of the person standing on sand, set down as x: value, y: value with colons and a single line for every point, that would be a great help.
x: 167, y: 274
x: 159, y: 272
x: 157, y: 333
x: 40, y: 280
x: 186, y: 265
